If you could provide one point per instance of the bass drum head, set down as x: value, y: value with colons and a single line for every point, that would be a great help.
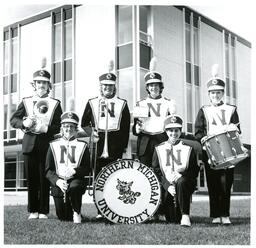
x: 127, y: 192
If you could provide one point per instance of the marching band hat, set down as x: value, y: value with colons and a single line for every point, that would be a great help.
x: 153, y: 77
x: 215, y: 83
x: 70, y: 117
x: 173, y: 121
x: 108, y: 78
x: 42, y: 75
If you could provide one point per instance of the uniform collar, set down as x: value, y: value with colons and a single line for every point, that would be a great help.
x: 70, y: 139
x: 160, y: 96
x: 218, y: 104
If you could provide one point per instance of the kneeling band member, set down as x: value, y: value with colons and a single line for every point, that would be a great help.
x: 67, y: 165
x: 176, y: 166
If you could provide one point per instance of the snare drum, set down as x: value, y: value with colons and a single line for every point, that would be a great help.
x: 224, y: 149
x: 127, y: 192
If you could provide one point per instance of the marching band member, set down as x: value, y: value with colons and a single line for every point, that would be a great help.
x: 107, y: 117
x: 211, y: 119
x: 67, y: 163
x: 39, y: 117
x: 150, y: 130
x: 175, y: 163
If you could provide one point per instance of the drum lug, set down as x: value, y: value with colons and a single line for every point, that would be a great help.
x: 224, y: 157
x: 228, y: 134
x: 234, y: 150
x: 217, y: 140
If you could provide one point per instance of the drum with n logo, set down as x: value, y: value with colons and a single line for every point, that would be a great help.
x: 224, y: 149
x: 127, y: 192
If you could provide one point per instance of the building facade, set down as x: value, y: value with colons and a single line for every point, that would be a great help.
x: 78, y: 42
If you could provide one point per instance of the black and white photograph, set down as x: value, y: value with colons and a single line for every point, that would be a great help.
x: 127, y: 123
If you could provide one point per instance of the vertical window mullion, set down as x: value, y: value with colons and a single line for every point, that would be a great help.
x: 73, y: 52
x: 192, y: 66
x: 62, y: 58
x: 9, y: 83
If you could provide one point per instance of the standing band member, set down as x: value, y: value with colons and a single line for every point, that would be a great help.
x: 150, y: 129
x: 67, y: 163
x: 212, y: 119
x: 107, y: 117
x: 39, y: 117
x: 175, y: 164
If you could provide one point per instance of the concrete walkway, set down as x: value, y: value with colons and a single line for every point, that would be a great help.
x: 20, y: 198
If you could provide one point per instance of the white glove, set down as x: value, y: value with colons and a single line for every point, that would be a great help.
x: 180, y: 169
x: 139, y: 126
x: 69, y: 172
x: 232, y: 127
x: 62, y: 184
x: 95, y: 137
x: 41, y: 128
x: 174, y: 177
x: 28, y: 122
x: 171, y: 190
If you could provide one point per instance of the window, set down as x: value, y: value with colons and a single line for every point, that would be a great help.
x: 124, y: 55
x: 192, y: 68
x: 124, y: 24
x: 63, y: 56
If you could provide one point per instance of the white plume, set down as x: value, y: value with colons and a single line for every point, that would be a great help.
x: 215, y: 70
x: 71, y: 104
x: 43, y: 62
x: 152, y: 64
x: 111, y: 65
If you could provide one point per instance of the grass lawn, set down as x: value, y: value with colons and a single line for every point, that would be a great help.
x: 18, y: 230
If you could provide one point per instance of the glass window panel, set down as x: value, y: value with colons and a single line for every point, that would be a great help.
x: 5, y: 135
x: 227, y: 59
x: 226, y: 38
x: 67, y: 94
x: 124, y: 24
x: 68, y: 70
x: 196, y: 75
x: 143, y: 18
x: 5, y: 85
x: 143, y: 92
x: 188, y: 72
x: 189, y: 127
x: 21, y: 171
x: 233, y: 62
x: 234, y: 88
x: 145, y: 56
x: 68, y: 14
x: 197, y: 99
x: 232, y: 41
x: 10, y: 172
x: 126, y: 86
x: 195, y: 21
x: 188, y: 43
x: 189, y: 103
x: 57, y: 42
x: 187, y: 18
x: 14, y: 55
x: 57, y: 17
x: 13, y: 83
x: 6, y: 35
x: 124, y: 55
x: 12, y: 134
x: 196, y: 45
x: 14, y: 32
x: 5, y: 116
x: 13, y: 107
x: 227, y: 87
x: 6, y: 57
x: 57, y: 72
x: 68, y: 39
x: 57, y: 91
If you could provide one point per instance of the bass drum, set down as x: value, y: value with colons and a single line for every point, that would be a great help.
x: 127, y: 192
